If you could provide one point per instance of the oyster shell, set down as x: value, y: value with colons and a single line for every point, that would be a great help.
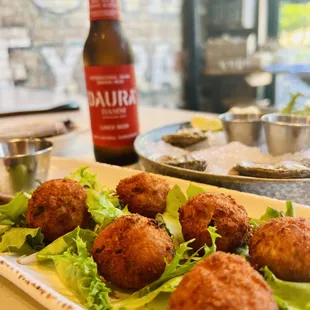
x: 185, y: 162
x: 306, y: 162
x: 4, y: 199
x: 185, y: 137
x: 282, y: 170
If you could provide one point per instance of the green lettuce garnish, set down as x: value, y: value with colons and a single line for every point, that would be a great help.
x: 78, y: 272
x: 4, y: 228
x: 22, y: 241
x: 85, y: 178
x: 13, y: 213
x: 290, y: 209
x: 194, y: 190
x: 175, y: 200
x: 289, y: 295
x: 272, y: 213
x: 171, y: 277
x: 63, y: 243
x: 135, y: 301
x: 113, y: 198
x: 103, y: 207
x: 162, y: 224
x: 178, y: 267
x: 243, y: 251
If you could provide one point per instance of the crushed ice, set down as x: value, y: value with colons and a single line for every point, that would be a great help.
x: 220, y: 156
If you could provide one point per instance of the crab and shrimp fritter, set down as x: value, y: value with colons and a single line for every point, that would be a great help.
x: 223, y: 282
x: 58, y: 207
x: 283, y: 245
x: 131, y: 251
x: 144, y: 194
x: 209, y: 209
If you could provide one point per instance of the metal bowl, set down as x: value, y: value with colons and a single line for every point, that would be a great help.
x: 288, y: 189
x: 245, y: 128
x: 22, y: 163
x: 286, y: 133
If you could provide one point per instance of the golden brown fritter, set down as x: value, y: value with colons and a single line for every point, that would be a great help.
x: 144, y: 194
x: 210, y: 209
x: 131, y: 251
x: 58, y: 207
x: 223, y: 282
x: 283, y: 245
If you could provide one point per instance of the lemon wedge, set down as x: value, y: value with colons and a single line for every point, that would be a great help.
x: 206, y: 123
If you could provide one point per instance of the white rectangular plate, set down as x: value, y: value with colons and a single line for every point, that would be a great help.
x: 42, y: 283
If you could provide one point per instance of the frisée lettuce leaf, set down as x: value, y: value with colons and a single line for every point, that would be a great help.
x: 194, y: 190
x: 87, y: 179
x: 135, y: 301
x: 13, y: 213
x: 178, y: 267
x: 4, y: 228
x: 78, y: 272
x: 22, y: 241
x: 175, y: 199
x: 243, y: 251
x: 60, y: 245
x: 103, y: 207
x: 272, y: 213
x: 290, y: 210
x: 63, y: 243
x: 171, y: 277
x: 289, y: 295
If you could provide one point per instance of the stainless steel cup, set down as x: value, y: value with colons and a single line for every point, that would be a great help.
x: 286, y: 133
x: 245, y: 128
x: 22, y: 163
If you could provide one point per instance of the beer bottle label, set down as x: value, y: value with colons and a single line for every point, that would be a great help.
x: 104, y: 9
x: 113, y: 104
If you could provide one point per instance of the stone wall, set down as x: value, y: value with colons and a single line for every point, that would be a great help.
x: 41, y: 43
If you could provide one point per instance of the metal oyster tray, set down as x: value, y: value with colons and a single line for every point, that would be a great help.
x: 297, y: 190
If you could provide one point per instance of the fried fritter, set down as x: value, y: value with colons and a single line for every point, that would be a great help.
x: 223, y: 282
x: 283, y: 245
x: 58, y: 207
x: 144, y: 194
x: 210, y: 209
x: 131, y: 251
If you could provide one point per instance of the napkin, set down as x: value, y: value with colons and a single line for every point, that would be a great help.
x: 36, y: 130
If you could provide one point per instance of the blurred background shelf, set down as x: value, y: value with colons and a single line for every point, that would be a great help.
x: 230, y: 72
x: 237, y: 38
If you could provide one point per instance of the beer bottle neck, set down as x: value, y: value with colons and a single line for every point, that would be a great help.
x: 104, y: 10
x: 102, y: 25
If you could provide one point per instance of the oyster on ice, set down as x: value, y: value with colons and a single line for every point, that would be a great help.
x: 282, y: 170
x: 185, y: 162
x: 185, y: 137
x: 306, y: 162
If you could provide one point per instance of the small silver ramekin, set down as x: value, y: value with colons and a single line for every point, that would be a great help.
x: 245, y: 128
x: 22, y: 163
x: 286, y: 133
